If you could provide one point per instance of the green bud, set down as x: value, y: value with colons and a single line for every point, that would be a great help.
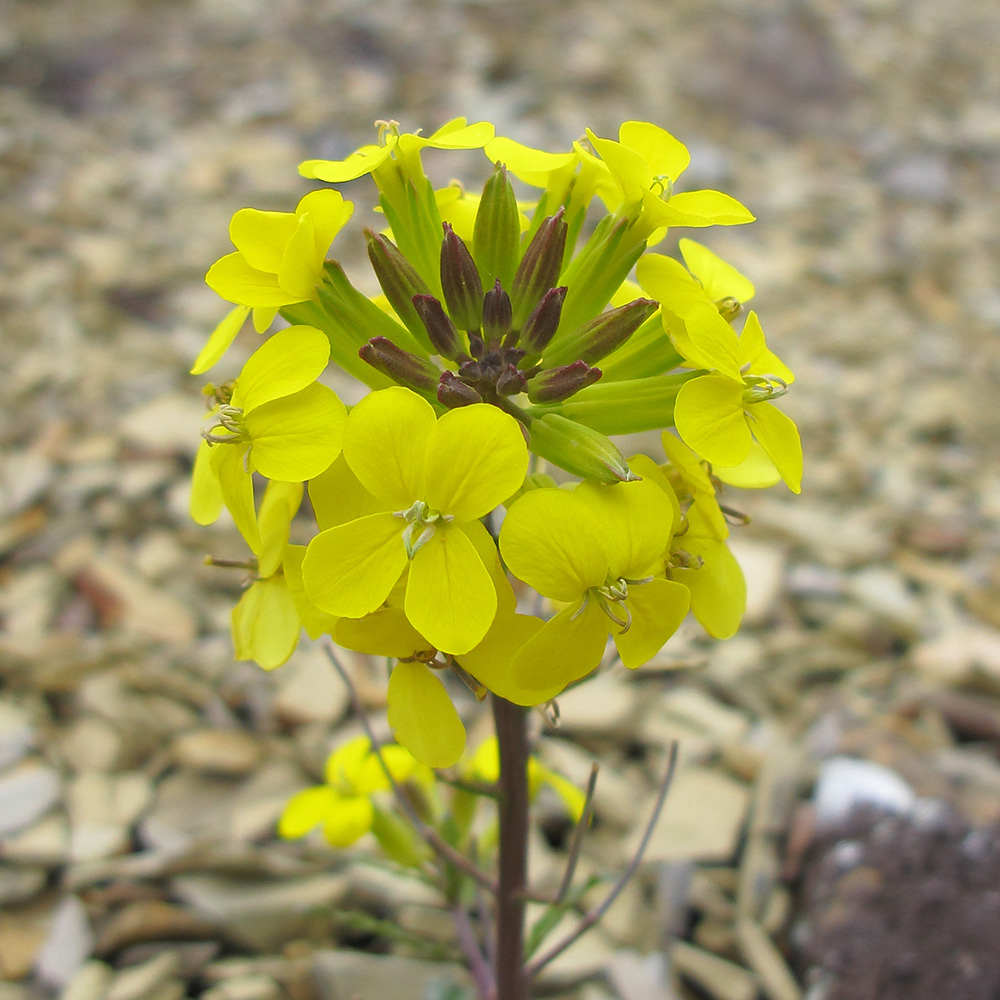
x: 560, y: 383
x: 581, y: 450
x: 539, y: 268
x: 460, y: 281
x: 625, y: 407
x: 401, y: 366
x: 496, y: 238
x: 399, y: 280
x: 444, y: 338
x: 603, y: 335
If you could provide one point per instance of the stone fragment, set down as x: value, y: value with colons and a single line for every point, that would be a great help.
x: 245, y: 988
x: 217, y: 751
x: 26, y: 793
x: 722, y: 980
x: 846, y: 784
x: 309, y: 690
x: 16, y: 734
x: 763, y: 957
x: 340, y: 974
x: 19, y: 883
x: 150, y: 920
x: 23, y: 931
x: 764, y: 569
x: 607, y: 704
x: 90, y: 982
x: 44, y: 843
x: 167, y: 424
x: 70, y: 941
x: 144, y: 981
x: 640, y: 977
x: 701, y: 819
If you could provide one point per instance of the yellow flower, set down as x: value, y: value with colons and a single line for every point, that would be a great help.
x: 278, y: 262
x: 345, y: 805
x: 595, y: 549
x: 433, y: 479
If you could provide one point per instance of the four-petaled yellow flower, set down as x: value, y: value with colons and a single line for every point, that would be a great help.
x: 433, y: 479
x: 598, y: 549
x: 345, y: 806
x: 278, y: 262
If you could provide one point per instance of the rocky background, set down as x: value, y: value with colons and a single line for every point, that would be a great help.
x: 141, y: 770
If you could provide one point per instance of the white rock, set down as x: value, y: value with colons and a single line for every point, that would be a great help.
x: 16, y: 735
x: 845, y: 784
x: 69, y: 943
x: 764, y: 568
x: 26, y: 793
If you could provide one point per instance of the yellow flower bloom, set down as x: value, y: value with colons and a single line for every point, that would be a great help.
x: 596, y: 549
x: 278, y: 262
x: 345, y: 805
x: 433, y: 480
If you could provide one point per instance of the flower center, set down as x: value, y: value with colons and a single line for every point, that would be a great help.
x: 760, y: 388
x: 663, y: 186
x: 421, y: 524
x: 228, y: 428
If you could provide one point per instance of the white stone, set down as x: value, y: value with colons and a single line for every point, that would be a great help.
x: 69, y: 943
x: 846, y: 784
x: 26, y: 793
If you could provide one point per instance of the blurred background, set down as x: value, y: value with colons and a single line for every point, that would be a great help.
x: 142, y: 771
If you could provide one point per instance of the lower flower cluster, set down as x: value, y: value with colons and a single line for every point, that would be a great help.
x: 498, y: 352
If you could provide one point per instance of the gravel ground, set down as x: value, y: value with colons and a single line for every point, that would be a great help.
x: 141, y: 771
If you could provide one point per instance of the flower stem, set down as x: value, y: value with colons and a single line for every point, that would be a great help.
x: 512, y: 736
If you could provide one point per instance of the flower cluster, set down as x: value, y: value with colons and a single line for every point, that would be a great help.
x: 505, y: 343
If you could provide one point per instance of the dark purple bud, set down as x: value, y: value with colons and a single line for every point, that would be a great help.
x: 543, y: 322
x: 399, y: 281
x: 401, y: 366
x: 445, y: 339
x: 452, y: 391
x: 496, y: 314
x: 539, y: 268
x: 511, y: 382
x: 602, y: 335
x: 460, y: 282
x: 496, y: 239
x: 557, y: 384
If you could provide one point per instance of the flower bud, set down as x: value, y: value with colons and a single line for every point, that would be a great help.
x: 603, y: 335
x: 729, y: 307
x: 399, y: 280
x: 560, y: 383
x: 543, y: 322
x: 539, y: 268
x: 460, y: 281
x: 445, y: 339
x: 401, y: 366
x: 511, y: 382
x: 584, y: 452
x: 496, y: 238
x: 496, y: 314
x: 452, y: 391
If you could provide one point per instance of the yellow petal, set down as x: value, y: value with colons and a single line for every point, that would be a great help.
x: 565, y: 649
x: 385, y: 632
x: 718, y: 278
x: 490, y: 556
x: 422, y: 717
x: 329, y: 213
x: 261, y: 236
x: 476, y: 458
x: 754, y: 355
x: 206, y: 494
x: 779, y: 437
x: 305, y: 811
x: 362, y: 161
x: 350, y: 821
x: 222, y: 336
x: 708, y: 208
x: 552, y: 542
x: 337, y: 496
x: 265, y: 624
x: 235, y: 280
x: 491, y: 662
x: 228, y: 462
x: 657, y: 608
x: 349, y: 570
x: 301, y: 270
x: 637, y: 521
x: 280, y: 503
x: 449, y: 596
x: 755, y: 472
x: 665, y: 156
x: 385, y: 442
x: 299, y: 436
x: 718, y: 587
x: 314, y: 621
x: 709, y: 417
x: 285, y: 363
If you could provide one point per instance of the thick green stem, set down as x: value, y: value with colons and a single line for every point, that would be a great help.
x: 512, y: 736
